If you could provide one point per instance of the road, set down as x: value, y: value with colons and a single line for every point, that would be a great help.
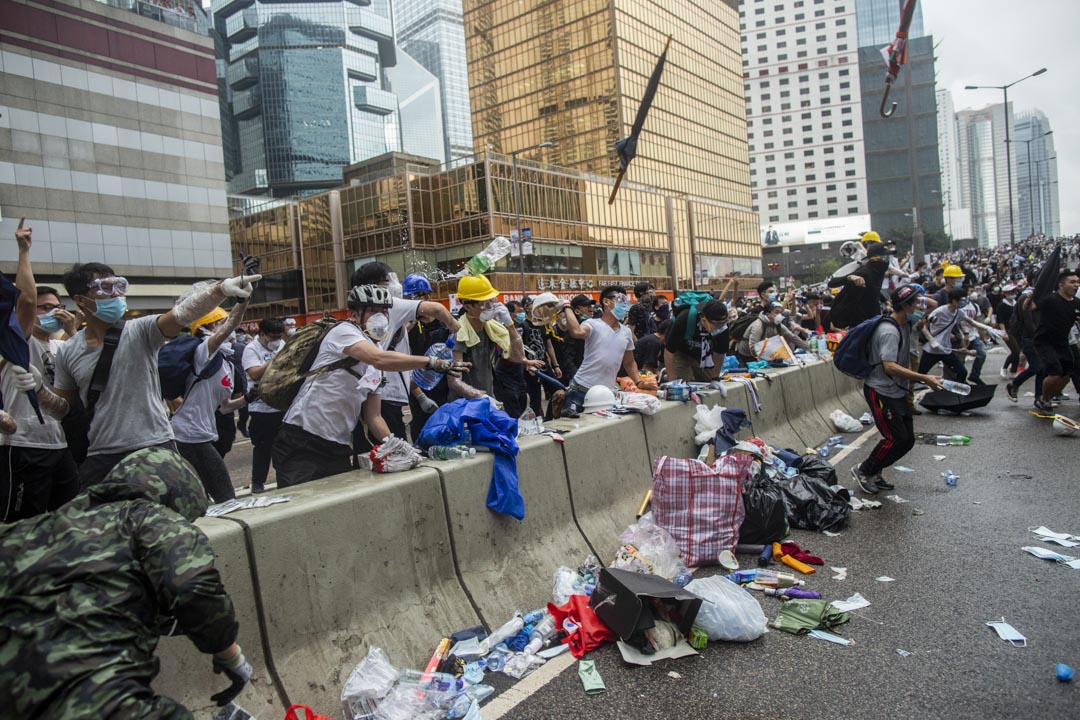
x: 956, y: 559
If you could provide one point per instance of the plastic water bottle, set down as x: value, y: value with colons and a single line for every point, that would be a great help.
x: 540, y: 635
x: 943, y: 440
x: 484, y: 260
x: 835, y: 440
x: 950, y: 478
x: 823, y: 451
x: 427, y: 378
x: 441, y: 682
x: 454, y: 452
x: 956, y: 387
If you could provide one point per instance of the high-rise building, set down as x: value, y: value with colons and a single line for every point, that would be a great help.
x: 573, y: 72
x: 957, y: 218
x: 984, y: 171
x: 1038, y: 210
x: 433, y: 32
x: 879, y: 20
x: 110, y: 143
x: 311, y: 91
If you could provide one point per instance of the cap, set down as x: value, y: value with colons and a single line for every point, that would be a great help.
x: 877, y: 250
x: 580, y: 300
x: 905, y: 294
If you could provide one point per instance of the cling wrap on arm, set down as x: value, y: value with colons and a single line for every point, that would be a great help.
x: 462, y: 388
x: 198, y: 301
x: 236, y: 316
x: 52, y: 404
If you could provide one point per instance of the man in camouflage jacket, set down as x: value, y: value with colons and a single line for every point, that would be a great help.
x: 85, y: 590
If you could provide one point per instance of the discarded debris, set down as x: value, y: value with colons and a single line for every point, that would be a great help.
x: 841, y: 573
x: 245, y: 504
x: 854, y: 602
x: 896, y: 499
x: 885, y: 578
x: 1007, y: 632
x: 902, y: 653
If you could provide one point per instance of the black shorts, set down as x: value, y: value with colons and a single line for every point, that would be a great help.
x: 1057, y: 359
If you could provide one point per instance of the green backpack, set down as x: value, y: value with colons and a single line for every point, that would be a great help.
x: 290, y: 367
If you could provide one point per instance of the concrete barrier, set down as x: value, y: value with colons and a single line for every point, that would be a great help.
x: 353, y: 561
x: 506, y: 565
x: 849, y: 393
x: 802, y: 410
x: 771, y: 424
x: 825, y: 397
x: 186, y: 674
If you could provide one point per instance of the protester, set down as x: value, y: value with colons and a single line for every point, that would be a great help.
x: 938, y: 329
x: 694, y: 350
x: 290, y: 326
x: 1026, y: 324
x: 811, y: 318
x: 860, y: 295
x: 1003, y: 316
x: 953, y: 277
x: 88, y: 588
x: 970, y: 309
x: 264, y: 421
x: 640, y: 317
x: 1058, y: 315
x: 424, y: 333
x: 768, y: 324
x: 649, y: 350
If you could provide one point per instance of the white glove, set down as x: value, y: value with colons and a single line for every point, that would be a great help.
x: 26, y: 380
x: 502, y: 315
x: 391, y: 445
x: 239, y: 286
x: 935, y: 345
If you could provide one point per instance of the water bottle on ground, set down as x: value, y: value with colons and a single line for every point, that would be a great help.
x: 943, y: 440
x: 454, y: 452
x: 823, y: 451
x: 427, y: 378
x: 956, y: 387
x: 484, y: 260
x: 835, y: 440
x: 950, y: 478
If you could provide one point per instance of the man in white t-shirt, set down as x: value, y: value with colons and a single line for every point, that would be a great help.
x: 209, y: 390
x: 263, y: 420
x: 315, y: 441
x: 609, y: 345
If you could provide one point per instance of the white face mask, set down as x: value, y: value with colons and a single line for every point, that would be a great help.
x: 275, y: 345
x: 377, y: 327
x: 290, y: 331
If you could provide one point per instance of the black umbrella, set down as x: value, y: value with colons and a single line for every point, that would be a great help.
x: 1046, y: 280
x: 13, y: 345
x: 980, y: 396
x: 626, y: 148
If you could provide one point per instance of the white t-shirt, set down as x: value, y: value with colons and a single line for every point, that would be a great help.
x: 603, y: 356
x: 329, y: 405
x: 32, y: 433
x: 256, y: 354
x: 195, y: 422
x: 396, y: 388
x: 401, y: 312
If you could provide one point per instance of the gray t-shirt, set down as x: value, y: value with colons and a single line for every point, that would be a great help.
x: 888, y: 343
x: 32, y: 433
x: 130, y: 414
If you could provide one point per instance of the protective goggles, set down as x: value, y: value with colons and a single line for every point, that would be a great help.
x: 107, y: 287
x: 619, y: 299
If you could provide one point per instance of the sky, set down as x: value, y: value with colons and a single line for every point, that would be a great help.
x: 994, y: 42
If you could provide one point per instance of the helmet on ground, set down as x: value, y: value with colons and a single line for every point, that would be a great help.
x: 599, y: 397
x: 370, y: 296
x: 870, y: 237
x: 415, y: 284
x: 208, y: 319
x: 954, y: 271
x: 1065, y: 426
x: 475, y: 287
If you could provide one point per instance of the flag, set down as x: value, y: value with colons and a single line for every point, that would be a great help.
x: 13, y: 345
x: 626, y: 148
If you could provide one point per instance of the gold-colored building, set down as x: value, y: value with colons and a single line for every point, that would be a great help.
x: 572, y: 73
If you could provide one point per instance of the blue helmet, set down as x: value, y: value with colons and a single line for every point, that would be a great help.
x: 415, y: 284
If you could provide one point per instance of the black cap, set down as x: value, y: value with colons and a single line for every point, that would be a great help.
x: 905, y: 294
x: 878, y: 250
x: 581, y: 300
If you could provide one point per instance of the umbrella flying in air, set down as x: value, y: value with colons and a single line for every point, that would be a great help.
x: 896, y: 55
x: 626, y: 148
x: 1046, y: 280
x: 13, y: 345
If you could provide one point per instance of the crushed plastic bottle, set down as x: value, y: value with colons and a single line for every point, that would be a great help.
x: 484, y: 260
x: 823, y: 451
x: 950, y: 478
x: 835, y: 440
x: 956, y: 387
x: 427, y: 378
x: 943, y: 440
x: 454, y: 452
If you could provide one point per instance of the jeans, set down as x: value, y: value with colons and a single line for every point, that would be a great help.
x: 210, y: 467
x: 263, y: 429
x: 893, y: 420
x: 980, y: 358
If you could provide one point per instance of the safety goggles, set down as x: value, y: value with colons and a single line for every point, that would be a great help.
x: 107, y: 287
x: 619, y: 299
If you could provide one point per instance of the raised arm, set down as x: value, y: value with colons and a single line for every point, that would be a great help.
x: 203, y: 298
x: 26, y: 305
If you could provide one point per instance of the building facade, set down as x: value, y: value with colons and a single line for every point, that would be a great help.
x: 800, y: 64
x: 1036, y: 181
x: 880, y: 19
x: 903, y: 167
x: 110, y: 144
x: 984, y: 167
x: 433, y: 32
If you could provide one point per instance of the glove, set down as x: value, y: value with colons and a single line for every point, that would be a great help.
x: 250, y: 263
x: 26, y: 380
x: 392, y: 444
x: 447, y: 366
x: 426, y: 404
x: 239, y: 286
x: 238, y: 671
x: 502, y: 315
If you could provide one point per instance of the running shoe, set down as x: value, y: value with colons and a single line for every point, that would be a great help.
x: 882, y: 483
x: 1043, y: 406
x: 1010, y: 390
x: 866, y: 482
x: 1004, y: 374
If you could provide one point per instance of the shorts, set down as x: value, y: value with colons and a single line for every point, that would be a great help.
x: 1057, y: 359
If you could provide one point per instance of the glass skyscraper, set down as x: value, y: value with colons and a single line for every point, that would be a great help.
x: 433, y: 32
x: 878, y: 20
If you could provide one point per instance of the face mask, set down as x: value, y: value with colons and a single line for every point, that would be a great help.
x: 487, y: 315
x: 718, y: 330
x: 755, y: 468
x: 291, y: 331
x: 520, y: 317
x: 275, y: 345
x: 915, y: 316
x: 772, y: 296
x: 48, y: 322
x: 620, y: 310
x: 111, y: 310
x: 664, y: 311
x: 395, y: 286
x: 377, y: 327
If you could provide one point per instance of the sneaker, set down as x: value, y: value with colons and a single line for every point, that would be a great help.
x: 865, y: 482
x: 1043, y: 406
x: 1010, y: 390
x: 1004, y: 374
x: 882, y: 483
x: 258, y: 489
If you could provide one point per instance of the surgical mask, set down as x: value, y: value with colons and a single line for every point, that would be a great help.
x: 620, y: 310
x: 663, y: 312
x: 290, y: 331
x: 487, y: 315
x: 718, y: 330
x: 49, y: 322
x: 110, y: 310
x: 915, y: 316
x: 520, y: 317
x: 275, y: 345
x: 772, y: 296
x: 377, y: 327
x: 395, y: 286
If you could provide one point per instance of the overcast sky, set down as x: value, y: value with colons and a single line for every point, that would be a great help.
x: 994, y: 42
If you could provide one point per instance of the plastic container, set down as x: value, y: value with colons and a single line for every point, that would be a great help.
x: 956, y: 387
x: 835, y: 440
x: 510, y: 628
x: 823, y: 451
x: 436, y: 681
x: 484, y: 260
x: 455, y: 452
x: 950, y: 478
x: 943, y: 440
x: 764, y: 577
x: 427, y: 378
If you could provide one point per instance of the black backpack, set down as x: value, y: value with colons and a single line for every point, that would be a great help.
x: 738, y: 328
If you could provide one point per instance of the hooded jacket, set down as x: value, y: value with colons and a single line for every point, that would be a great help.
x: 86, y: 588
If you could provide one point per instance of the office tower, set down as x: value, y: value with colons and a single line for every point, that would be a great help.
x: 879, y: 20
x: 1038, y: 210
x: 984, y: 171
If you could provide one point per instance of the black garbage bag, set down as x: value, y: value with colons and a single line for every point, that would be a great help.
x: 815, y: 466
x: 766, y: 515
x: 812, y: 504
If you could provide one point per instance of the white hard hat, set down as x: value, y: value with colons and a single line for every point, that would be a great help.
x: 599, y: 397
x: 544, y: 299
x: 1062, y: 425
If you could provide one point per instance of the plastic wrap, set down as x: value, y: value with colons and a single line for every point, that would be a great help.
x: 728, y: 612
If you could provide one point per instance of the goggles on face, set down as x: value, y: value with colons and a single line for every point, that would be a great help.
x: 107, y: 287
x: 619, y: 299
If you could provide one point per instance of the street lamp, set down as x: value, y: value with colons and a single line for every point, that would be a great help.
x: 1027, y: 156
x: 517, y: 210
x: 1008, y: 148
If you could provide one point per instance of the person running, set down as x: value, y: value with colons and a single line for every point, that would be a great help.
x: 1058, y: 315
x: 263, y: 420
x: 886, y: 388
x: 1003, y: 320
x: 938, y: 329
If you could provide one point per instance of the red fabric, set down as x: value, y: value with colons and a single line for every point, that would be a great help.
x: 799, y: 554
x: 591, y: 633
x: 700, y: 505
x: 309, y: 714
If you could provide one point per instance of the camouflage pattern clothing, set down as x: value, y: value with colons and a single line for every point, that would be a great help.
x: 86, y: 588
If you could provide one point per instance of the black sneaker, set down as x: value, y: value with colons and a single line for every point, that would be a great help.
x: 1043, y: 406
x: 865, y: 482
x: 258, y: 489
x: 1010, y: 390
x: 882, y: 483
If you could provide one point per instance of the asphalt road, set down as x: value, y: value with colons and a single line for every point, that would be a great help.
x: 956, y: 565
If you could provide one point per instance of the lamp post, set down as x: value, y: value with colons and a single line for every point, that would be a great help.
x: 1008, y: 147
x: 1031, y: 188
x: 517, y: 210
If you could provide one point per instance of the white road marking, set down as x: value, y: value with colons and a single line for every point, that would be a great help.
x: 852, y: 447
x: 513, y: 697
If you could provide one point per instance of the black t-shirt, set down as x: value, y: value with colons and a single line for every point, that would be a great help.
x: 675, y: 341
x: 1003, y: 313
x: 640, y: 320
x: 1058, y: 316
x: 648, y: 351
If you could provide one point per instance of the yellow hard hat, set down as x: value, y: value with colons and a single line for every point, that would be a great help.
x: 475, y: 287
x: 211, y: 317
x: 870, y: 237
x: 954, y: 271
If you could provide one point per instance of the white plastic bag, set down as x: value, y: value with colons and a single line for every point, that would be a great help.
x: 368, y: 683
x: 729, y: 612
x: 844, y: 422
x: 642, y: 402
x: 706, y: 422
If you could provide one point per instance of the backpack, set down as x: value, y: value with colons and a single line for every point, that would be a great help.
x: 691, y: 298
x: 738, y: 328
x: 852, y: 354
x: 290, y: 367
x: 176, y: 363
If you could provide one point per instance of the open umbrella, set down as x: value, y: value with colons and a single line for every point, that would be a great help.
x: 13, y: 345
x: 896, y: 55
x: 980, y: 396
x: 1046, y: 280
